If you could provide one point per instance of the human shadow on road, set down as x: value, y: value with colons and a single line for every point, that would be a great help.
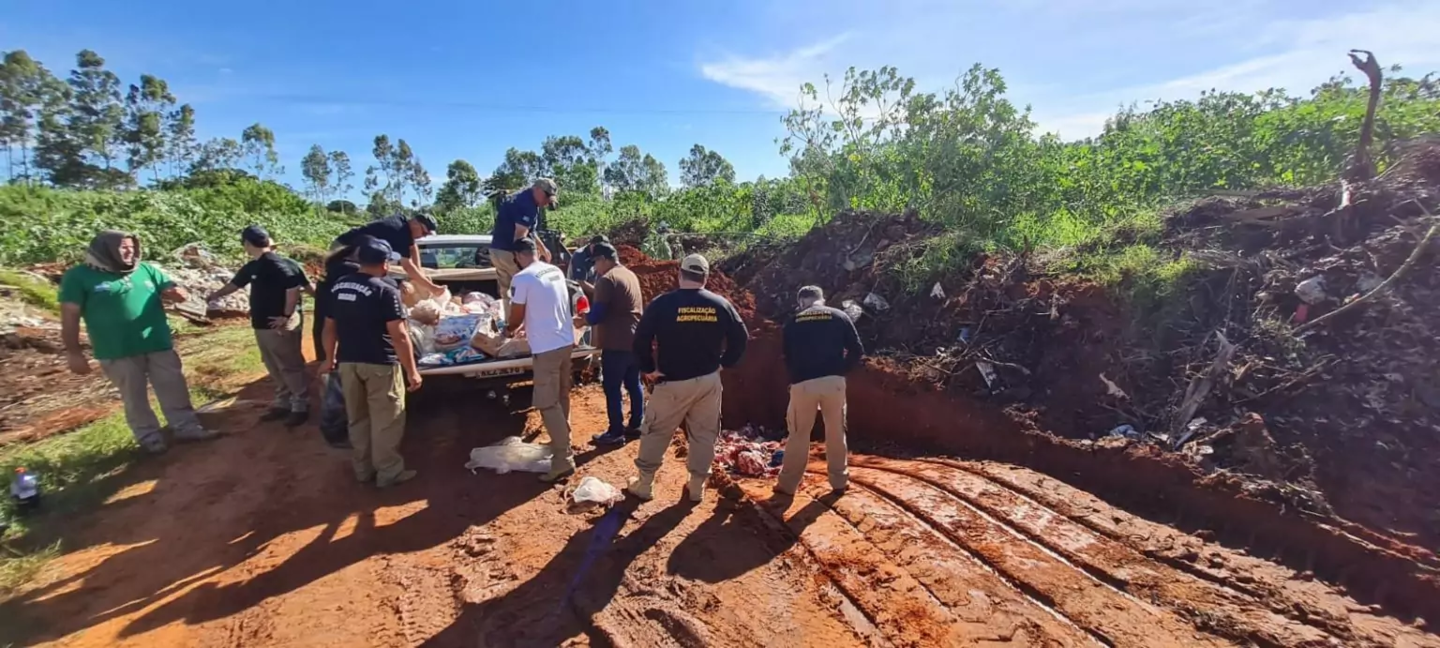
x: 559, y: 601
x: 710, y: 554
x: 228, y: 502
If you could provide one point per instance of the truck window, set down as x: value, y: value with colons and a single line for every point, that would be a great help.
x: 443, y: 257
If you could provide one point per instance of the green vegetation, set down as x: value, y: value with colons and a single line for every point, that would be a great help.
x: 45, y: 224
x: 18, y: 568
x: 971, y: 161
x: 67, y: 463
x: 965, y: 158
x: 35, y: 291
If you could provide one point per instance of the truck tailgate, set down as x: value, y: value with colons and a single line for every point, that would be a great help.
x: 499, y: 368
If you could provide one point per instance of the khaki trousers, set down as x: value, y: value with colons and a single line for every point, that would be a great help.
x: 827, y: 395
x: 697, y: 403
x: 161, y: 370
x: 375, y: 408
x: 552, y: 398
x: 505, y: 270
x: 285, y: 362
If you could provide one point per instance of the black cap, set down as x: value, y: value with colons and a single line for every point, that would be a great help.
x: 255, y: 235
x: 373, y: 251
x: 606, y: 250
x: 431, y: 225
x: 598, y: 239
x: 525, y: 245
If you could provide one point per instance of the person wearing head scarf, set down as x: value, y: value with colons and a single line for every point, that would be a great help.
x: 121, y: 300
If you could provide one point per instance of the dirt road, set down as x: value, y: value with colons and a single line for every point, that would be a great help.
x: 263, y: 539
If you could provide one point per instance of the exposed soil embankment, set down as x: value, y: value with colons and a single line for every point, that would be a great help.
x: 892, y: 412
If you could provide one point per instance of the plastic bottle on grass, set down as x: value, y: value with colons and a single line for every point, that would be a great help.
x: 25, y: 488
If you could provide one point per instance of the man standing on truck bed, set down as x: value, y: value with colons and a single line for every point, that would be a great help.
x: 821, y: 346
x: 615, y: 312
x: 275, y: 285
x: 694, y: 333
x: 515, y: 217
x: 540, y: 299
x: 368, y: 344
x: 400, y: 233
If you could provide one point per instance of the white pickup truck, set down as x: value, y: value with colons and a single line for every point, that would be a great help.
x: 461, y: 262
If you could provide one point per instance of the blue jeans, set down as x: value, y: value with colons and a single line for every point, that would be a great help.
x: 622, y: 368
x: 334, y: 425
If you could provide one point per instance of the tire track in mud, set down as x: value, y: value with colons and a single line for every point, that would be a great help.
x: 1207, y: 606
x: 971, y: 589
x: 903, y: 611
x: 1216, y: 574
x: 1101, y: 608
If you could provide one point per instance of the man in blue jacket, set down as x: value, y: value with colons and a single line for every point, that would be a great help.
x: 516, y: 219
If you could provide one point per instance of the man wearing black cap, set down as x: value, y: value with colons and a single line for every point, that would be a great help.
x: 582, y: 263
x: 400, y: 233
x: 540, y: 299
x: 821, y: 346
x: 275, y: 285
x: 368, y: 344
x: 615, y: 306
x: 694, y: 333
x: 515, y: 219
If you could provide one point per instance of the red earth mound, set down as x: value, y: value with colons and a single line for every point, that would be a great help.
x: 659, y: 277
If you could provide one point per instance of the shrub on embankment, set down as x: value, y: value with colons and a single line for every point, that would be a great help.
x: 39, y: 224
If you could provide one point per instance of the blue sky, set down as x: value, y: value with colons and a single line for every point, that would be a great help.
x: 468, y: 80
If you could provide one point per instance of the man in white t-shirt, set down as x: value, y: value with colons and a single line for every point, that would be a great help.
x: 540, y: 299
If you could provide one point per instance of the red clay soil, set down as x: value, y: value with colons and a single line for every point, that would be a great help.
x: 38, y: 394
x: 263, y: 539
x: 1340, y: 424
x: 659, y: 277
x: 897, y: 408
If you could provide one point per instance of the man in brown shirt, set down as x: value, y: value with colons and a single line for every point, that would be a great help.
x: 615, y: 305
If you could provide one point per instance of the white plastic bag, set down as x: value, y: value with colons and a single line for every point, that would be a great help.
x: 593, y: 492
x: 511, y: 454
x: 1312, y: 290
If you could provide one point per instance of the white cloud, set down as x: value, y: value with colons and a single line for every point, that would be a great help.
x: 777, y: 78
x: 1077, y: 63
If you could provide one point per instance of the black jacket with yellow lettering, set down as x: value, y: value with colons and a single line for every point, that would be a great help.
x: 821, y: 341
x: 689, y: 333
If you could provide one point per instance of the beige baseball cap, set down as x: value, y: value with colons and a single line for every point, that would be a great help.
x: 696, y: 264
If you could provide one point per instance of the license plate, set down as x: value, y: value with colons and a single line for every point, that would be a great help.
x: 491, y: 373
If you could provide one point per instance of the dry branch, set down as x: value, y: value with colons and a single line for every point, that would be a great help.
x: 1384, y: 285
x: 1200, y: 387
x: 1363, y: 168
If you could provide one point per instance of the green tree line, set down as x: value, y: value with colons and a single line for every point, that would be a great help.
x: 967, y: 158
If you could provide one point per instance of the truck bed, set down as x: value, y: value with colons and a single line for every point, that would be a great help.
x: 501, y: 368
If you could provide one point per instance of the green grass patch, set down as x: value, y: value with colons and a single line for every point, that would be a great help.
x: 80, y: 468
x: 67, y: 464
x: 918, y: 264
x: 19, y: 567
x: 35, y: 291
